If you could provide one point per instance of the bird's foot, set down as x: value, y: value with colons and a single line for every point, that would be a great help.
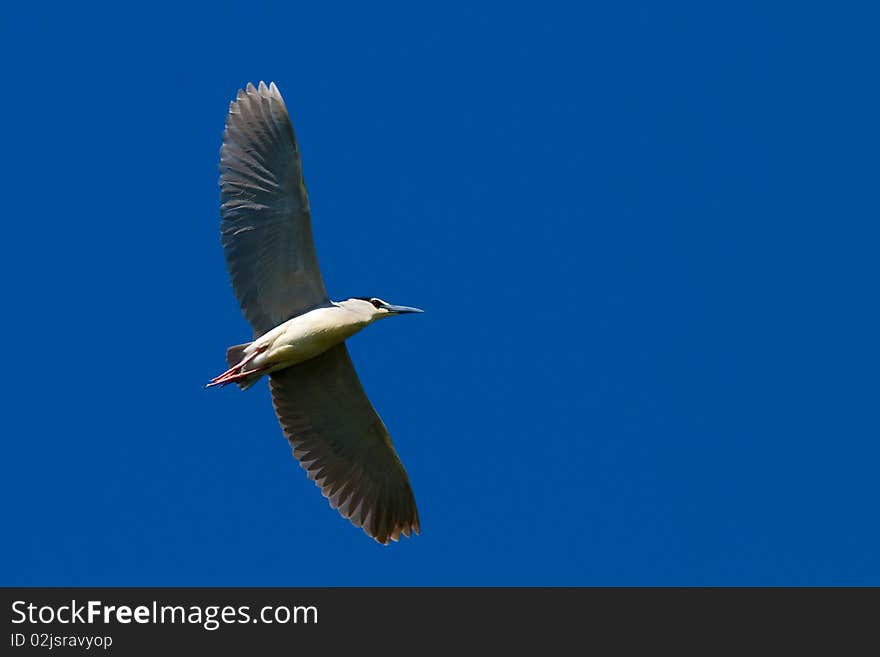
x: 236, y: 372
x: 234, y: 376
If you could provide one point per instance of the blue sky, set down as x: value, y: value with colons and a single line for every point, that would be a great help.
x: 645, y: 238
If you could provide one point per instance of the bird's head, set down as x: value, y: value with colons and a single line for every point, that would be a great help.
x: 375, y: 308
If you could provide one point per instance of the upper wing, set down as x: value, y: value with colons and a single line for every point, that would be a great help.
x: 265, y: 225
x: 343, y: 445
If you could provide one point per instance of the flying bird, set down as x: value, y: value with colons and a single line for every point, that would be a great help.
x: 299, y: 333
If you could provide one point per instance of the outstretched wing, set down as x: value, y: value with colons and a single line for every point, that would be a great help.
x: 265, y: 225
x: 343, y: 444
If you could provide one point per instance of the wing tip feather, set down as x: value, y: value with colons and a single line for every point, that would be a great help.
x: 371, y: 490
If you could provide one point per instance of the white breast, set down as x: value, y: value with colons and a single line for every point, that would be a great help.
x: 306, y: 336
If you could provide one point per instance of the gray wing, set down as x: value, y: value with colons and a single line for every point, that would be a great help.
x: 343, y: 445
x: 265, y: 225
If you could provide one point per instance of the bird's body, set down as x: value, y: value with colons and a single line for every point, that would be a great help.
x: 299, y: 339
x: 306, y: 336
x: 299, y: 334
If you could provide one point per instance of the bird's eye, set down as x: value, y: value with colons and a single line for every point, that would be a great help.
x: 377, y: 303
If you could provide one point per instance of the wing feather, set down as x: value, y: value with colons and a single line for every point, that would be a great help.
x: 343, y: 445
x: 265, y: 221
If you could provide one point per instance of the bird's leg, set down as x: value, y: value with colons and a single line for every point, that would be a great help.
x: 234, y: 377
x: 235, y: 372
x: 237, y: 366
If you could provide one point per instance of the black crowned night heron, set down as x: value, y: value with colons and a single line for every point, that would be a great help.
x: 299, y: 334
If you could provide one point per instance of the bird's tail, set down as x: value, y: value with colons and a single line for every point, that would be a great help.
x: 237, y: 373
x: 235, y: 353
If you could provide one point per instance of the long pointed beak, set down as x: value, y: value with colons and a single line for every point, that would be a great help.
x: 400, y: 310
